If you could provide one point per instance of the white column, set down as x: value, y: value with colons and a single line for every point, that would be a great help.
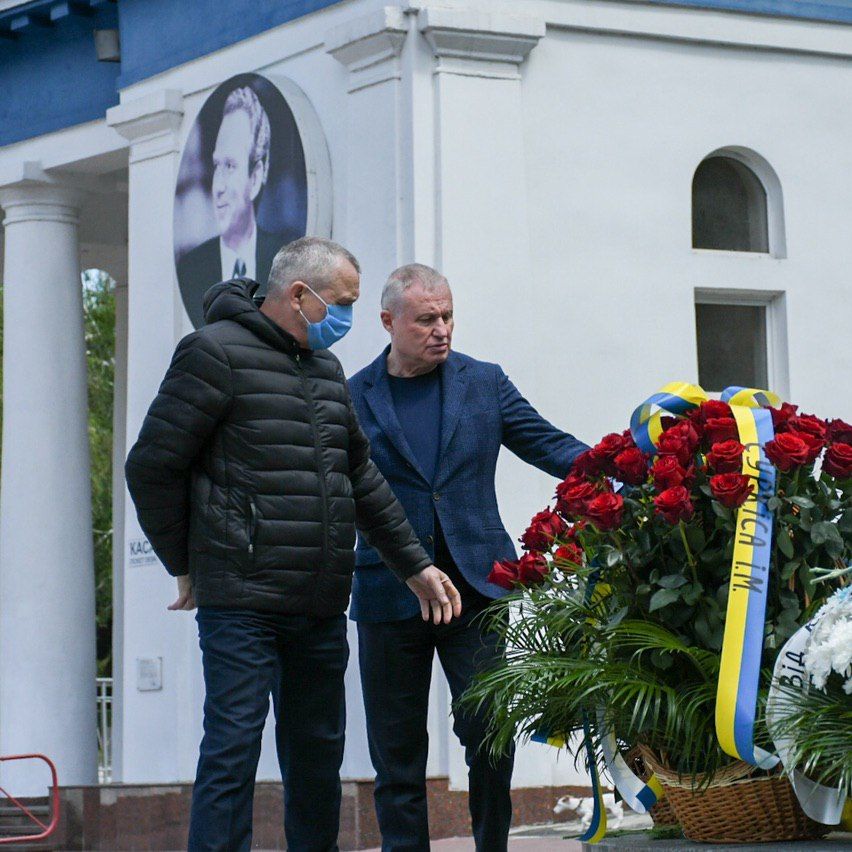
x: 370, y: 49
x: 483, y: 244
x: 47, y: 588
x: 155, y: 733
x: 482, y: 241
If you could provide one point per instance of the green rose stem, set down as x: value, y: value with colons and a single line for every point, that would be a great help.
x: 622, y: 547
x: 824, y: 574
x: 689, y: 557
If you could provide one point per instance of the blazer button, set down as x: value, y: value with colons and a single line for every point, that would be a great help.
x: 436, y: 496
x: 430, y: 539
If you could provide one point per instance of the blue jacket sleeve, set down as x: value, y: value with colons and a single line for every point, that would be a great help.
x: 532, y: 438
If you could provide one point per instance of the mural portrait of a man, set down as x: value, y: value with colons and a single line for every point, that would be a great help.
x: 235, y: 175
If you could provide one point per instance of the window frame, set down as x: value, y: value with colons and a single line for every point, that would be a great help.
x: 775, y: 227
x: 774, y: 302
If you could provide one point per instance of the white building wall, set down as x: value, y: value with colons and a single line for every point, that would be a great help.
x: 614, y: 127
x: 554, y: 190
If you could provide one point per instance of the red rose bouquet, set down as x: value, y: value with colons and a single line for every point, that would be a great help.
x: 621, y: 599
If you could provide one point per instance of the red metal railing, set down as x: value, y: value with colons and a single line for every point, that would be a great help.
x: 48, y: 828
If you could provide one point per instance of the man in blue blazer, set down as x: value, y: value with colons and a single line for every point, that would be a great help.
x: 436, y: 420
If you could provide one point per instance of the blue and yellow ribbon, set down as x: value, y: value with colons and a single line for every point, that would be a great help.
x: 548, y: 738
x: 675, y: 398
x: 742, y: 645
x: 597, y: 828
x: 639, y: 795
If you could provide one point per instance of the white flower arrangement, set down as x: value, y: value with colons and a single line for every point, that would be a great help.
x: 829, y: 646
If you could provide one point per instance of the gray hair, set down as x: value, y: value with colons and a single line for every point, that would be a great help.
x: 246, y: 99
x: 313, y: 260
x: 401, y: 279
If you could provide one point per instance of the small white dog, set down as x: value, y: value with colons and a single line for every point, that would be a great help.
x: 585, y: 808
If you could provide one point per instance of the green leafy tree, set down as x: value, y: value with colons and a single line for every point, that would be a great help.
x: 99, y: 313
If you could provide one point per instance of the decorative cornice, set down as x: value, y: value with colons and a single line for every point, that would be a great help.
x: 370, y: 46
x: 39, y: 198
x: 149, y: 123
x: 479, y: 42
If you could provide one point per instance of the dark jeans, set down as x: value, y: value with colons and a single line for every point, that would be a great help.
x: 301, y: 661
x: 396, y: 670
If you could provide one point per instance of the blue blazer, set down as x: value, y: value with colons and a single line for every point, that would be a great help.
x: 482, y: 410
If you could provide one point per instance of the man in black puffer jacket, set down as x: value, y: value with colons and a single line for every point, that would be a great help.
x: 249, y: 477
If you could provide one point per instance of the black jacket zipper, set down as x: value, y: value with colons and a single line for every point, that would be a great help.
x: 252, y: 525
x: 318, y: 455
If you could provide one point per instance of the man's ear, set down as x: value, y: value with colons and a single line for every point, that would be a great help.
x: 296, y: 290
x: 387, y: 321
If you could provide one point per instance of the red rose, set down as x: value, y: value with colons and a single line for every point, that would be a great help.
x: 532, y: 569
x: 678, y: 443
x: 631, y: 466
x: 695, y: 418
x: 731, y: 489
x: 627, y: 436
x: 815, y: 445
x: 714, y: 408
x: 543, y: 529
x: 809, y: 424
x: 780, y: 416
x: 574, y: 494
x: 726, y: 457
x: 838, y: 461
x: 570, y: 481
x: 605, y: 511
x: 573, y: 531
x: 719, y: 429
x: 609, y: 446
x: 688, y: 432
x: 674, y: 504
x: 568, y: 556
x: 605, y: 451
x: 839, y: 432
x: 504, y: 574
x: 787, y: 451
x: 586, y: 465
x: 668, y: 472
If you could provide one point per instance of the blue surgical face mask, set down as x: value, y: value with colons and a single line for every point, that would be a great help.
x: 334, y: 325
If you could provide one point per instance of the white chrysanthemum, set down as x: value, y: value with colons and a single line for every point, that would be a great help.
x: 829, y: 646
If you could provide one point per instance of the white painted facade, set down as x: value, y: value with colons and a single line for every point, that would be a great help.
x: 541, y: 154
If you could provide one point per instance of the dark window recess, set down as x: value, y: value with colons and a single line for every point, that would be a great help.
x: 731, y: 346
x: 728, y: 207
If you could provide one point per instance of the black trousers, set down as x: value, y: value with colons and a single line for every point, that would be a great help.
x: 301, y: 661
x: 396, y: 670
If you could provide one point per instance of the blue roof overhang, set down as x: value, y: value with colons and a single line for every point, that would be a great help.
x: 45, y: 13
x: 50, y: 75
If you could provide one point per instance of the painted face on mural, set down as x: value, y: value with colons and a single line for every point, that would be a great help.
x: 235, y: 184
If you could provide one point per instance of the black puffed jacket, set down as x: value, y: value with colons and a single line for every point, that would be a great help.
x: 251, y: 471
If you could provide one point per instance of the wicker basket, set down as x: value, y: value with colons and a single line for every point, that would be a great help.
x: 662, y: 813
x: 735, y: 807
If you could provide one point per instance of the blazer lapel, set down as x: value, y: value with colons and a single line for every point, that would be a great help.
x: 379, y: 398
x: 454, y: 385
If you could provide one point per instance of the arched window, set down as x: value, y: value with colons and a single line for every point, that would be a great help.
x: 729, y: 207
